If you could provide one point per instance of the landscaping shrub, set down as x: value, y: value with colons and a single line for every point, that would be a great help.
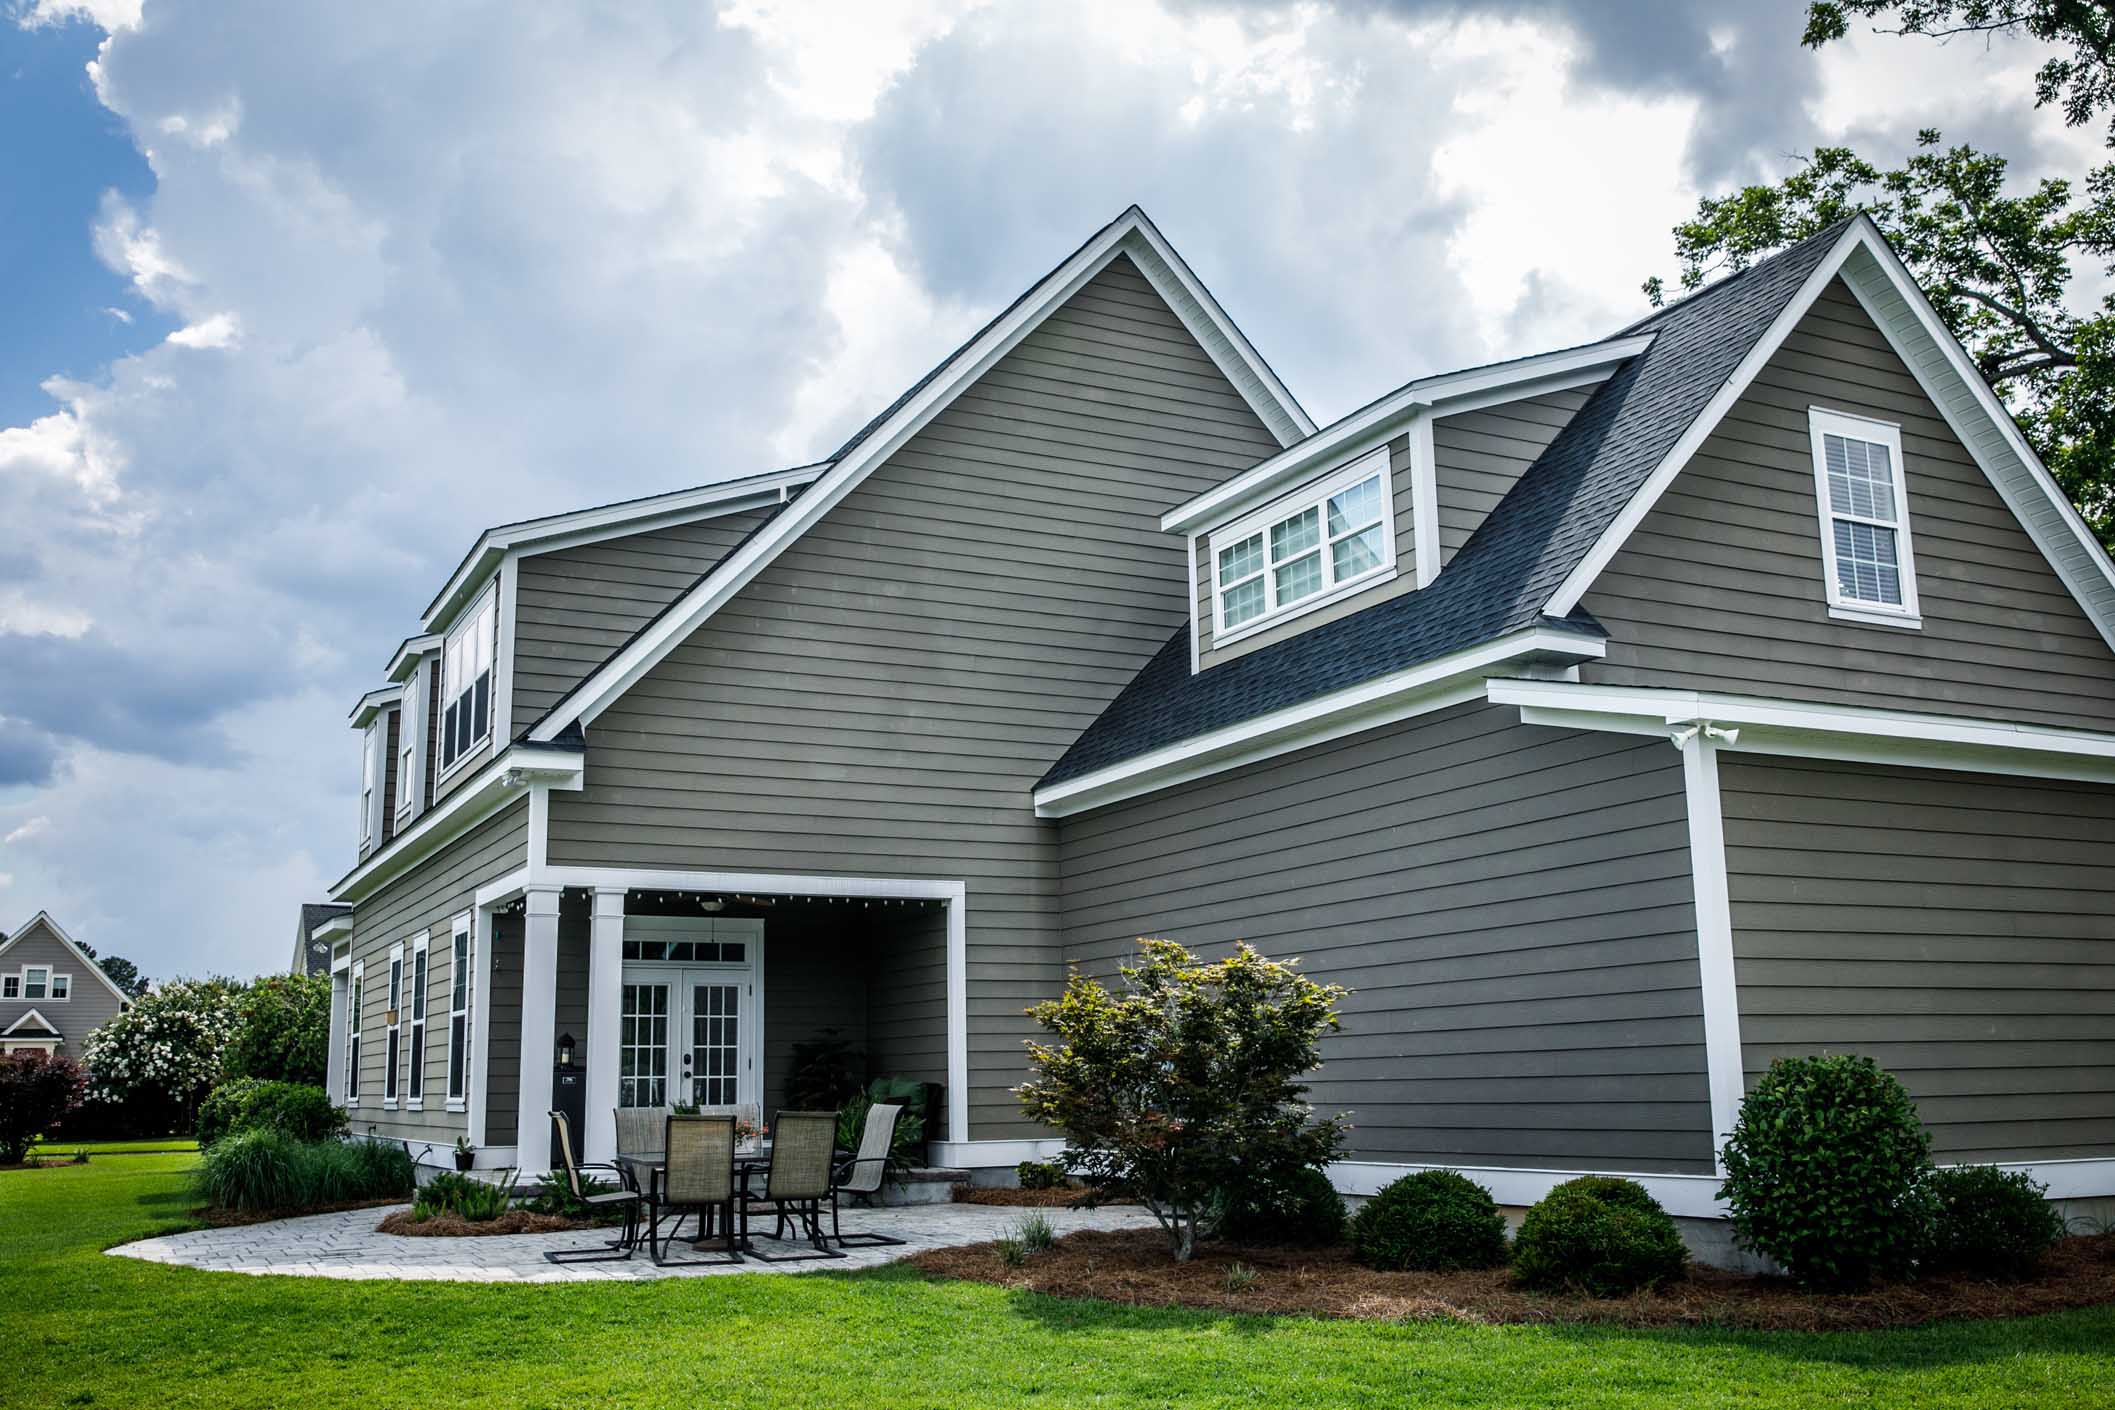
x: 1436, y: 1219
x: 282, y: 1030
x: 906, y: 1142
x: 554, y: 1196
x: 150, y: 1066
x: 1040, y: 1174
x: 251, y: 1104
x: 825, y: 1073
x: 1297, y: 1207
x: 1826, y: 1171
x: 1990, y: 1222
x: 1600, y: 1236
x: 270, y: 1170
x: 1175, y: 1087
x: 450, y: 1192
x: 37, y: 1091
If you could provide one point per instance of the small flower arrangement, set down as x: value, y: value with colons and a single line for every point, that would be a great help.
x: 749, y: 1133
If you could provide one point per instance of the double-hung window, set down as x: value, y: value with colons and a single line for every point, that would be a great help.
x: 393, y: 1035
x: 61, y: 986
x: 410, y: 728
x: 466, y: 680
x: 10, y: 986
x: 459, y: 1018
x: 1864, y: 501
x: 36, y: 982
x: 370, y: 777
x: 1303, y: 551
x: 352, y: 1036
x: 416, y: 1087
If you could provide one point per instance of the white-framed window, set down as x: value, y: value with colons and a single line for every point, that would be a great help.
x: 466, y: 680
x: 393, y: 1028
x: 415, y: 1085
x: 61, y: 988
x: 411, y: 730
x: 1863, y: 496
x: 370, y: 777
x: 10, y: 986
x: 459, y: 1017
x: 352, y: 1034
x: 1306, y: 550
x: 36, y: 982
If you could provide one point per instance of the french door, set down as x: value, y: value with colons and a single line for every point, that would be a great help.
x: 687, y: 1036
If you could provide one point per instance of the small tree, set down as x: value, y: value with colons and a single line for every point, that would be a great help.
x: 157, y: 1060
x: 36, y: 1092
x: 282, y: 1032
x: 1184, y: 1086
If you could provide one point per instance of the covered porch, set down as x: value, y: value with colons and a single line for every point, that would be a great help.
x: 703, y: 991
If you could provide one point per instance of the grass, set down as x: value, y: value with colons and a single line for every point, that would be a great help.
x: 84, y: 1329
x: 153, y: 1144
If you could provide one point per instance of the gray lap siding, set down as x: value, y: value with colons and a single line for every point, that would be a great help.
x: 1957, y: 928
x: 87, y: 1006
x: 1511, y: 906
x: 881, y: 700
x: 428, y: 898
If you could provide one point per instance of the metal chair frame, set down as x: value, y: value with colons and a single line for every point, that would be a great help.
x: 805, y: 1210
x: 863, y: 1174
x: 659, y: 1203
x: 626, y: 1243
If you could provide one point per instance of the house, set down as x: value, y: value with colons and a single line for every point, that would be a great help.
x: 52, y: 995
x: 1611, y: 720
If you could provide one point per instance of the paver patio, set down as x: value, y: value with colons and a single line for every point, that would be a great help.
x: 347, y: 1245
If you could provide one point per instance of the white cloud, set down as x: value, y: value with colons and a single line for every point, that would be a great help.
x: 219, y: 331
x: 28, y: 830
x: 119, y: 314
x: 106, y: 14
x: 7, y: 879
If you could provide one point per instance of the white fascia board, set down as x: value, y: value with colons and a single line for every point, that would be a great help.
x: 336, y: 926
x: 17, y: 1025
x: 73, y: 948
x: 587, y: 525
x: 408, y: 655
x: 1381, y: 420
x: 1846, y: 732
x: 1452, y: 679
x: 1130, y: 235
x: 496, y: 786
x: 376, y: 699
x: 1735, y: 386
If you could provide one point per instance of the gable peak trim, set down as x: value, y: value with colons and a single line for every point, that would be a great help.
x: 72, y: 947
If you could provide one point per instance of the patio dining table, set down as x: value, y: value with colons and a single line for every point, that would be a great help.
x: 642, y: 1166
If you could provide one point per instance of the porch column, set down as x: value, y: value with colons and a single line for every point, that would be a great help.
x: 334, y: 1061
x: 539, y: 1026
x: 605, y: 981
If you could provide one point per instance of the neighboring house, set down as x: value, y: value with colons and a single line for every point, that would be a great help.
x: 312, y: 941
x: 52, y: 996
x: 1611, y: 721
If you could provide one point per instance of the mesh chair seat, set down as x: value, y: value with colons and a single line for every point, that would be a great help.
x: 803, y: 1144
x: 696, y: 1177
x: 639, y: 1128
x: 626, y: 1243
x: 863, y: 1173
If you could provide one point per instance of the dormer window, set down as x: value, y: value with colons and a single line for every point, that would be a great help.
x: 1864, y: 501
x: 466, y: 680
x: 1304, y: 551
x: 370, y: 778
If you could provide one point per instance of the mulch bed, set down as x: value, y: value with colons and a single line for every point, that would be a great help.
x: 1133, y: 1266
x: 1059, y: 1198
x: 237, y: 1218
x: 453, y: 1226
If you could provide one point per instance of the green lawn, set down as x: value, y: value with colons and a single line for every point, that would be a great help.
x: 84, y: 1329
x: 44, y: 1145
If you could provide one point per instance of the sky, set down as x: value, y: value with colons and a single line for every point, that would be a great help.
x: 298, y: 299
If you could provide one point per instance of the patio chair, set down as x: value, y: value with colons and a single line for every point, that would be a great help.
x: 796, y: 1183
x: 640, y: 1130
x: 863, y: 1173
x: 696, y: 1177
x: 626, y: 1243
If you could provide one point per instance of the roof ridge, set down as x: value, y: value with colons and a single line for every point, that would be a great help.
x: 1689, y: 300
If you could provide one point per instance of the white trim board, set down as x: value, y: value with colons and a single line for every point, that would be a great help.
x: 16, y: 1027
x: 1130, y: 234
x: 1443, y: 395
x: 1854, y: 734
x: 495, y: 786
x: 1452, y: 679
x: 1877, y: 278
x: 73, y: 948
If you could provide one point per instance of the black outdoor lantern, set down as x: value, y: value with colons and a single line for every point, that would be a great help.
x: 565, y: 1050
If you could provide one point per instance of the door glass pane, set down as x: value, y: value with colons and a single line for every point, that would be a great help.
x: 715, y: 1044
x: 642, y: 1048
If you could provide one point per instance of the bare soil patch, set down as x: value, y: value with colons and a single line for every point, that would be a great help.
x: 453, y: 1226
x: 1133, y: 1266
x: 1063, y: 1197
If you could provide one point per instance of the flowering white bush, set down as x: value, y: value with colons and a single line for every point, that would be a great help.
x: 166, y: 1049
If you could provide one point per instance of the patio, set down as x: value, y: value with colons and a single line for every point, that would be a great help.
x: 346, y: 1245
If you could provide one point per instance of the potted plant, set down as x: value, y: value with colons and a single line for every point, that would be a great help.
x: 465, y: 1153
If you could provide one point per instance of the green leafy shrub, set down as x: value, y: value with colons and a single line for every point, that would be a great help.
x: 1297, y: 1207
x: 1174, y: 1086
x: 825, y: 1073
x: 451, y: 1192
x: 282, y: 1030
x: 1990, y: 1222
x: 37, y: 1091
x: 1040, y: 1174
x: 252, y: 1103
x: 270, y: 1170
x: 1826, y: 1172
x: 1036, y: 1233
x: 1600, y: 1236
x: 1434, y: 1219
x: 554, y: 1196
x: 151, y: 1065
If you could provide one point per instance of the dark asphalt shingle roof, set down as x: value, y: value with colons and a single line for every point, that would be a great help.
x: 1499, y: 582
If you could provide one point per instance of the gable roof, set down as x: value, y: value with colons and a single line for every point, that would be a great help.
x: 1500, y: 580
x: 95, y: 970
x: 1130, y: 235
x: 42, y: 1030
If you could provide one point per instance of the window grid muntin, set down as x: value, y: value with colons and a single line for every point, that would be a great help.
x: 1861, y: 489
x: 642, y: 1045
x: 715, y: 1043
x: 1264, y: 569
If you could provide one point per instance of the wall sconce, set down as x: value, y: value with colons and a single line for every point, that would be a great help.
x: 565, y: 1050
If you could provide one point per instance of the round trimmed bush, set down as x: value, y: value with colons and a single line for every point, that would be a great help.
x: 1600, y: 1236
x: 1437, y: 1220
x: 1826, y: 1172
x: 1300, y: 1208
x: 253, y: 1104
x: 1990, y: 1222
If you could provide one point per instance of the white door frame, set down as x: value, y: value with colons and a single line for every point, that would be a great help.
x: 682, y: 977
